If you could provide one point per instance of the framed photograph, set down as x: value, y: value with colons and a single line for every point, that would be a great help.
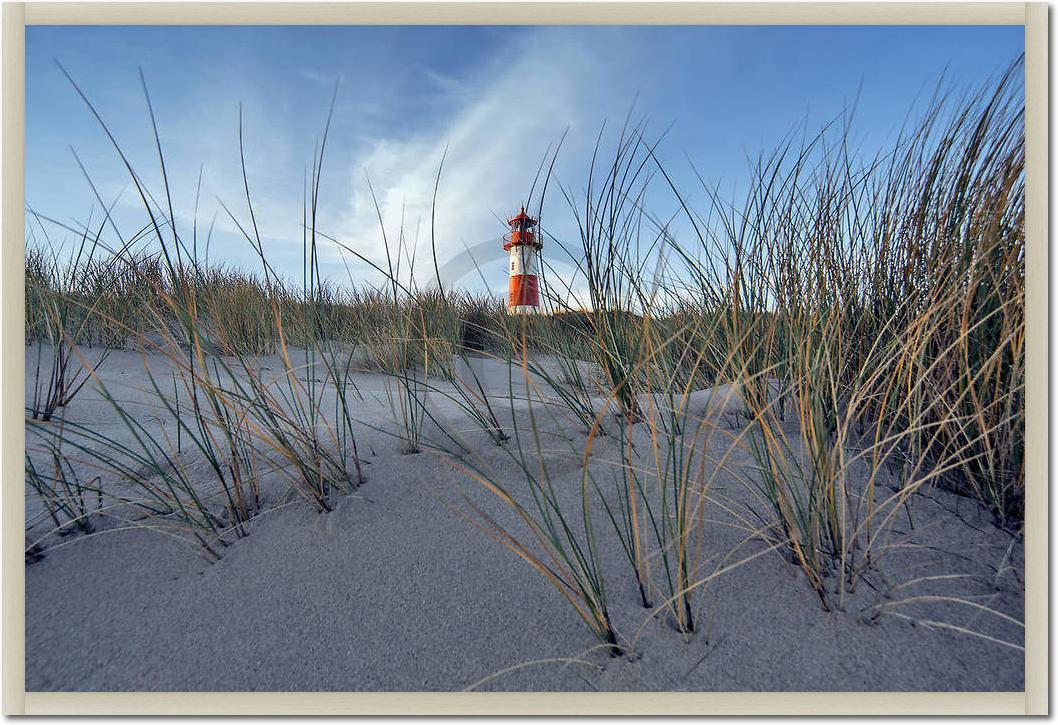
x: 516, y: 358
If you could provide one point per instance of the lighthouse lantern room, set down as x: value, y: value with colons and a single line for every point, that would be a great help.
x: 523, y: 291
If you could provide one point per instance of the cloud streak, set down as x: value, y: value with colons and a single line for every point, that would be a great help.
x: 492, y: 148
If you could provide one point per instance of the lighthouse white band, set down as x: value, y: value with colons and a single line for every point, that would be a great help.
x: 523, y: 261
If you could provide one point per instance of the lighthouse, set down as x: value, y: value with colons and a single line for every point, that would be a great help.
x: 523, y: 290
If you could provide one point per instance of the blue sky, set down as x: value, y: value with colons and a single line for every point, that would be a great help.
x: 497, y: 97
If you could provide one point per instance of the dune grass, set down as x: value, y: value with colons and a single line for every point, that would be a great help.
x: 870, y: 314
x: 867, y: 315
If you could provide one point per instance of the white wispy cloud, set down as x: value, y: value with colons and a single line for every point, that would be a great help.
x: 515, y: 109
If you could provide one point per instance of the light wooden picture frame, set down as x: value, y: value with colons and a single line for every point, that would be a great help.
x: 1033, y: 701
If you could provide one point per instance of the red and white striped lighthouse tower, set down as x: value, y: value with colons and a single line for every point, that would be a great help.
x: 523, y: 291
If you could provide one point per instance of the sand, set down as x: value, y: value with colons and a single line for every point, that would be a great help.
x: 395, y: 589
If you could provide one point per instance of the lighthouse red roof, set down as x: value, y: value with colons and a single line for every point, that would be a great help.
x: 521, y: 232
x: 522, y: 217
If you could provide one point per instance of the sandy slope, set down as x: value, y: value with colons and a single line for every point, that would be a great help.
x: 396, y: 590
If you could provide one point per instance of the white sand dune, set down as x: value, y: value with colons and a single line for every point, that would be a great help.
x: 395, y: 589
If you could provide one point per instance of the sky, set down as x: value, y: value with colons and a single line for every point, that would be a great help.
x: 491, y: 101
